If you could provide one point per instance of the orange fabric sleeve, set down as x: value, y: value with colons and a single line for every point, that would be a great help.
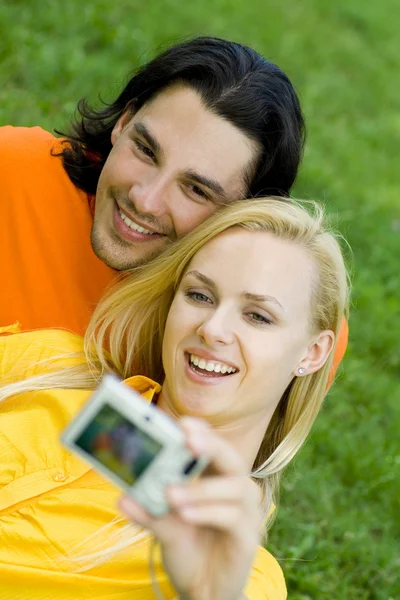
x: 340, y: 350
x: 50, y: 275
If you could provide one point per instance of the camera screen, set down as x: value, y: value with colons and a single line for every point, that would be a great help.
x: 118, y: 444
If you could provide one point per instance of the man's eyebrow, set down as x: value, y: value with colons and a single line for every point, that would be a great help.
x: 203, y: 278
x: 261, y: 298
x: 212, y: 184
x: 142, y: 130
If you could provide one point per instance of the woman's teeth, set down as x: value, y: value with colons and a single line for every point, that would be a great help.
x: 133, y: 225
x: 210, y: 365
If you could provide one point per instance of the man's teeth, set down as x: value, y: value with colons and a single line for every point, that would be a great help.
x: 210, y: 365
x: 133, y: 225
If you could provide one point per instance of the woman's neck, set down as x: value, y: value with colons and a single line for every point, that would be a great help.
x: 245, y: 435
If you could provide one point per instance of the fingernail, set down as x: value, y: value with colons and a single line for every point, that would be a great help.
x: 177, y: 494
x: 188, y: 513
x: 198, y: 442
x: 125, y: 504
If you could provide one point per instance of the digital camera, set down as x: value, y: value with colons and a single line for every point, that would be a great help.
x: 132, y: 443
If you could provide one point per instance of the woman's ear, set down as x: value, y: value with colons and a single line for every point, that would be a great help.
x: 317, y: 353
x: 122, y: 123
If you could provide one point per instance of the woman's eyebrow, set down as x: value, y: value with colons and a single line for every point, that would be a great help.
x: 203, y: 278
x: 248, y: 295
x: 261, y: 298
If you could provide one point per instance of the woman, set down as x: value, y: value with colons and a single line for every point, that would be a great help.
x: 238, y: 321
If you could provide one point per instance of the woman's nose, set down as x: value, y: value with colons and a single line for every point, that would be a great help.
x: 217, y: 329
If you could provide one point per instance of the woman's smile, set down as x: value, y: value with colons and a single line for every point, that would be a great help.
x: 197, y: 366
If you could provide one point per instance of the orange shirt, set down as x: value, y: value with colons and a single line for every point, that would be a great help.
x: 341, y: 347
x: 49, y: 274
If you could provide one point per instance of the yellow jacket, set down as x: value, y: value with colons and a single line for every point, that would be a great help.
x: 51, y: 501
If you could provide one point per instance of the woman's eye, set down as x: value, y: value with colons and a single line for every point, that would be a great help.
x: 198, y: 297
x: 257, y: 318
x: 144, y: 150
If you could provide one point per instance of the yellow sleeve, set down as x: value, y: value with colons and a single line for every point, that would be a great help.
x: 23, y: 355
x: 266, y: 581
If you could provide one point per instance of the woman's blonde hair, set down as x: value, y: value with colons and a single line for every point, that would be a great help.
x: 130, y: 321
x: 126, y: 331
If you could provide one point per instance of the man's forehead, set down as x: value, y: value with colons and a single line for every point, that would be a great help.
x: 180, y: 109
x: 162, y: 103
x: 175, y: 91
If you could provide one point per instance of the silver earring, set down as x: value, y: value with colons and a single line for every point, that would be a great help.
x: 301, y: 370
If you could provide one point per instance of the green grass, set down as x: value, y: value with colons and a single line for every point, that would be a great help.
x: 337, y: 532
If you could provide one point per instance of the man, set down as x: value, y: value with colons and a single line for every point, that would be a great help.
x: 203, y: 124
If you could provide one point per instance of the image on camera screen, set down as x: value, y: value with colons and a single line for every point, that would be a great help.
x: 116, y: 443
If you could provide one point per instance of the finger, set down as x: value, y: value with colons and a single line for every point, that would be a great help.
x: 227, y: 517
x: 238, y: 489
x: 135, y: 512
x: 166, y: 529
x: 203, y: 441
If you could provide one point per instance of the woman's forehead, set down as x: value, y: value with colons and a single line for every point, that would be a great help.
x: 261, y: 261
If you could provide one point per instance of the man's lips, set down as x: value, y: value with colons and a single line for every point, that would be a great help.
x: 136, y: 222
x: 131, y: 230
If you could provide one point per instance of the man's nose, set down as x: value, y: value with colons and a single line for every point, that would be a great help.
x: 151, y: 196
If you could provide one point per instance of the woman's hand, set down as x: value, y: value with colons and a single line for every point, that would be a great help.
x: 210, y: 536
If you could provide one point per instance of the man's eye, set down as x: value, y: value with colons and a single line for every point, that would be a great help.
x: 144, y: 150
x: 198, y: 191
x: 198, y: 297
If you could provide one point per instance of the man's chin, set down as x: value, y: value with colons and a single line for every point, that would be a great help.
x: 118, y: 254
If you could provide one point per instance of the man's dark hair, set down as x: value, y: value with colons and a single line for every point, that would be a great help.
x: 234, y: 82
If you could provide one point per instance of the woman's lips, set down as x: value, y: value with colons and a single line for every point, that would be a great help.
x: 198, y: 373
